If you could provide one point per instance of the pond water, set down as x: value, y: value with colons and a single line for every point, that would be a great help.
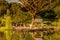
x: 16, y: 35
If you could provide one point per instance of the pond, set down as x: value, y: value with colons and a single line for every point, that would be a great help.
x: 20, y: 35
x: 15, y: 35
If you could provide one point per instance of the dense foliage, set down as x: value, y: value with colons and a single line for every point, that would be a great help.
x: 16, y: 13
x: 29, y: 10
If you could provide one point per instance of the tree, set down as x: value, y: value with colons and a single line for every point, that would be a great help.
x: 35, y: 6
x: 17, y: 15
x: 3, y: 7
x: 3, y: 10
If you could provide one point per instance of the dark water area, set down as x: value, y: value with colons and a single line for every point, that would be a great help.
x: 16, y: 35
x: 26, y: 35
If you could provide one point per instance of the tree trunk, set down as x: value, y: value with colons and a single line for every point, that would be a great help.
x: 33, y: 20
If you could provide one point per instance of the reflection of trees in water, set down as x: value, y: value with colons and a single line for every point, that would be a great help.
x: 2, y: 36
x: 21, y: 36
